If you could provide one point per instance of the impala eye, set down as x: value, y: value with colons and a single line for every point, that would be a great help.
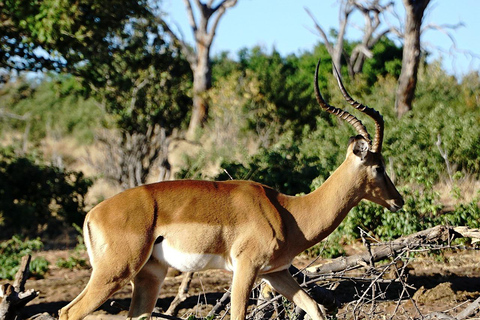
x: 379, y: 170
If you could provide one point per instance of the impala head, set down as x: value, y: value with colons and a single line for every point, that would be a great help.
x: 365, y: 156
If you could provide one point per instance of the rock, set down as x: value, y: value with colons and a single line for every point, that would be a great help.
x: 442, y: 292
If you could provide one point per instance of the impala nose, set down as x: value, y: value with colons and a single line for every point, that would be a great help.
x: 396, y: 205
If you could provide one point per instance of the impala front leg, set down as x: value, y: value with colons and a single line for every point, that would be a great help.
x: 284, y: 283
x: 243, y: 279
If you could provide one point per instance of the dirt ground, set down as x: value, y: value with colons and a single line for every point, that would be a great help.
x: 443, y: 283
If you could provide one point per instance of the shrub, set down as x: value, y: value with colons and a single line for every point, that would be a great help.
x: 37, y: 199
x: 11, y: 253
x: 270, y: 165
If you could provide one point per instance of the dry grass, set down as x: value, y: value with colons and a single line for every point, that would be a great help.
x: 463, y: 190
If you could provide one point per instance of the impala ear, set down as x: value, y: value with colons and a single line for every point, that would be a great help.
x: 359, y: 146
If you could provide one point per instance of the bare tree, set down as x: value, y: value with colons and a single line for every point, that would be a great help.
x: 128, y: 158
x: 371, y: 11
x: 204, y: 28
x: 335, y: 50
x: 407, y: 82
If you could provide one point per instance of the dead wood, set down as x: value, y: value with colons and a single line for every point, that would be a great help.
x: 42, y: 316
x: 471, y: 309
x: 14, y: 297
x: 466, y: 313
x: 388, y: 249
x: 220, y: 305
x: 182, y: 294
x: 398, y: 251
x: 312, y: 280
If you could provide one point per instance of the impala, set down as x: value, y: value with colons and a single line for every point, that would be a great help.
x: 241, y: 226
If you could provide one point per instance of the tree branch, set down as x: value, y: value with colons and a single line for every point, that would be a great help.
x: 321, y: 32
x: 220, y: 9
x: 191, y: 16
x: 225, y: 4
x: 181, y: 295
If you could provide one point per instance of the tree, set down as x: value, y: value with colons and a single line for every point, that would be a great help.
x: 143, y: 85
x: 68, y: 33
x: 407, y: 81
x: 204, y: 29
x: 119, y: 53
x: 371, y: 11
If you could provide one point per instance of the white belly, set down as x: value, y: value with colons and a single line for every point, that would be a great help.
x: 185, y: 262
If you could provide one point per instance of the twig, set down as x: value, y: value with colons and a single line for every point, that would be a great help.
x: 469, y: 310
x: 444, y: 155
x: 182, y: 294
x: 220, y: 305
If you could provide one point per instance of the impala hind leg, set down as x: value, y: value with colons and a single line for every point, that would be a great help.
x: 284, y: 283
x: 99, y: 288
x: 111, y: 270
x: 146, y: 287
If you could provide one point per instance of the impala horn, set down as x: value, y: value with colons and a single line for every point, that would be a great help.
x: 342, y: 114
x: 372, y: 113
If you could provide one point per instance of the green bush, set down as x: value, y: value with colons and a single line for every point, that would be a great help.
x: 11, y: 253
x: 52, y: 107
x: 270, y: 165
x: 37, y: 199
x: 464, y: 214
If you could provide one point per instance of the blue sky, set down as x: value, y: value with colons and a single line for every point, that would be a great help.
x: 285, y: 25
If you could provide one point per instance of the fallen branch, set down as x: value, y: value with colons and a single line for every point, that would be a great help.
x: 14, y: 297
x: 385, y: 250
x: 469, y: 310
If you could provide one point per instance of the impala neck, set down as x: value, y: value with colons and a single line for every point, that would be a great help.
x: 320, y: 212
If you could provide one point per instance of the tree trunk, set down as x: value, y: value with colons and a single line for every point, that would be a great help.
x: 204, y: 27
x: 202, y: 82
x: 407, y: 81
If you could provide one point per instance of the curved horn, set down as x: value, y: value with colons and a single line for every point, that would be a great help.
x: 342, y: 114
x: 372, y: 113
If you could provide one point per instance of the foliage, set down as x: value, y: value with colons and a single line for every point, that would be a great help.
x: 50, y: 107
x: 464, y: 214
x: 144, y: 81
x: 70, y: 34
x: 283, y: 97
x: 144, y: 86
x: 11, y: 253
x: 37, y: 199
x: 269, y: 167
x: 387, y: 61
